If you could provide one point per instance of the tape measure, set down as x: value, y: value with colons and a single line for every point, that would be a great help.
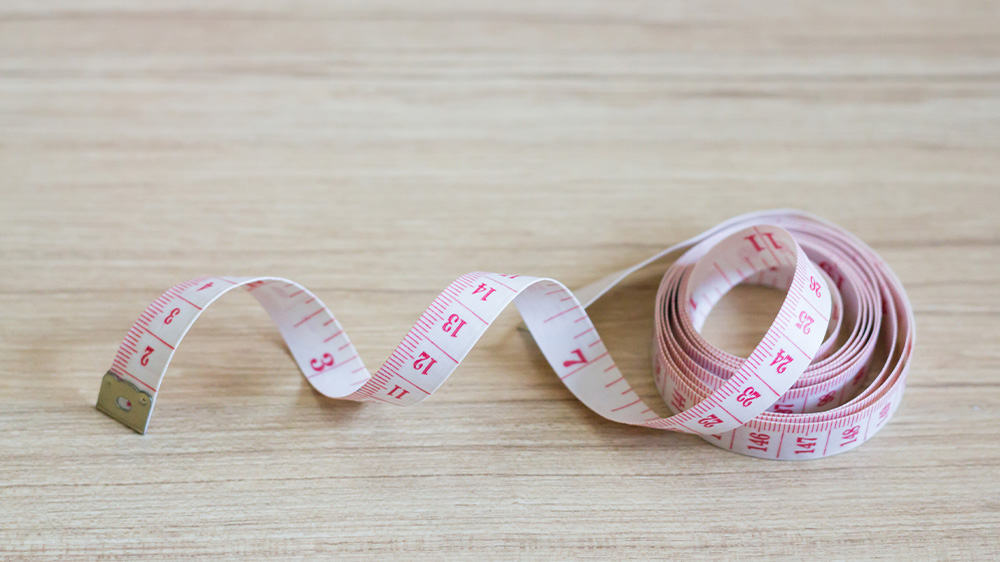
x: 825, y: 377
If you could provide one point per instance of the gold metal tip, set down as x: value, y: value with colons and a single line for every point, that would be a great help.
x: 124, y: 402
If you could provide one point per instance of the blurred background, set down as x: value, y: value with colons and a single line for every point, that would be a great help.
x: 323, y: 127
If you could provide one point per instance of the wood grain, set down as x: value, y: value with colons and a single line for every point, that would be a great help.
x: 374, y: 151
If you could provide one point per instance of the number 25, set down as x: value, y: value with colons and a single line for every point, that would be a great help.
x: 804, y: 321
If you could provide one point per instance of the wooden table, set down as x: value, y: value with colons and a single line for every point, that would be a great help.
x: 375, y: 151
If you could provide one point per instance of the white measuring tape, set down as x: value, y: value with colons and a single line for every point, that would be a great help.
x: 825, y: 377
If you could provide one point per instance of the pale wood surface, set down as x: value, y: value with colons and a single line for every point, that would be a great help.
x: 374, y: 151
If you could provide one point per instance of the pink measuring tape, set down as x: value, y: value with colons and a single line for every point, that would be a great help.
x: 825, y: 377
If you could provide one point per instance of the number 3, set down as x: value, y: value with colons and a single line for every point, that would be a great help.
x: 170, y: 317
x: 322, y: 362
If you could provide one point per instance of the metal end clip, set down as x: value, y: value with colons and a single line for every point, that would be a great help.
x: 124, y: 402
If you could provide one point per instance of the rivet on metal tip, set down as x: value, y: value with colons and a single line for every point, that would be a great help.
x: 125, y: 402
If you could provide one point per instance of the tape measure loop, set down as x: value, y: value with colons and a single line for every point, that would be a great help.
x: 827, y: 374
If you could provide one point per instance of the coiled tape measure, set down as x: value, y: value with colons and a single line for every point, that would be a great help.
x: 826, y: 376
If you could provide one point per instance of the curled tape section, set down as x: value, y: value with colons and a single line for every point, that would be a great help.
x: 827, y: 374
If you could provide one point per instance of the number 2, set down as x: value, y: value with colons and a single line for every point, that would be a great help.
x: 144, y: 360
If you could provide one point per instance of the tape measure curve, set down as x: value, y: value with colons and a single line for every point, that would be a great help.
x: 827, y: 374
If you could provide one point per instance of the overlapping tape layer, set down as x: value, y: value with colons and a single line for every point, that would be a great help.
x: 827, y: 374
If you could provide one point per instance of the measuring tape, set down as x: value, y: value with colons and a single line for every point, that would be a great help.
x: 825, y: 377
